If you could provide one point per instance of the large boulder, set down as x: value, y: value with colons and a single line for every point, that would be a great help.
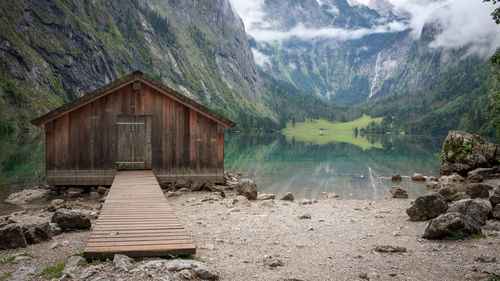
x: 478, y: 190
x: 36, y: 233
x: 287, y: 197
x: 482, y: 173
x: 12, y: 236
x: 463, y: 152
x: 478, y: 211
x: 496, y: 212
x: 495, y: 198
x: 398, y: 192
x: 247, y: 188
x: 450, y: 224
x: 71, y: 219
x: 29, y: 196
x: 455, y: 181
x: 427, y: 207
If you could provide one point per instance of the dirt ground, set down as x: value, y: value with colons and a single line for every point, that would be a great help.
x: 268, y: 241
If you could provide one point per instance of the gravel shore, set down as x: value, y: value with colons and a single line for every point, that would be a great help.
x: 333, y: 239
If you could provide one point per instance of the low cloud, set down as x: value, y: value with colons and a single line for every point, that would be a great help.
x: 261, y: 59
x: 460, y: 24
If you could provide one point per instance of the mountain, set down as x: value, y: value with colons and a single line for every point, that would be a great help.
x: 54, y: 51
x: 367, y: 57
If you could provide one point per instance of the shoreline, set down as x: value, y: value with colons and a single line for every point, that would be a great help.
x: 338, y: 242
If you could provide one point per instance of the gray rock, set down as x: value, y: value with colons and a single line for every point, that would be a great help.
x: 463, y: 152
x: 482, y: 173
x: 304, y: 216
x: 495, y: 198
x: 266, y: 197
x: 451, y: 194
x: 450, y: 224
x: 330, y: 195
x: 184, y: 190
x: 183, y: 275
x: 102, y: 190
x: 12, y: 236
x: 433, y: 186
x: 241, y: 201
x: 122, y: 263
x: 478, y: 211
x: 475, y: 178
x: 178, y: 265
x: 91, y: 271
x: 478, y: 190
x: 496, y: 212
x: 247, y: 188
x: 56, y: 230
x: 267, y: 204
x: 398, y: 192
x: 396, y: 179
x: 389, y: 249
x: 36, y: 233
x: 28, y: 196
x: 204, y: 272
x: 55, y: 205
x: 287, y: 197
x: 417, y: 177
x: 196, y: 185
x: 22, y: 274
x: 427, y: 207
x: 94, y: 195
x: 305, y: 202
x: 71, y: 219
x: 74, y: 264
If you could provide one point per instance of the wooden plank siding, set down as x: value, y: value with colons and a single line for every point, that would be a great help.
x: 81, y: 146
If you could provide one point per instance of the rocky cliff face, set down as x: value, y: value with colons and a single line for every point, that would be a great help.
x: 55, y: 51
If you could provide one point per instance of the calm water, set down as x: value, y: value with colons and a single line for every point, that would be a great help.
x: 307, y: 170
x: 277, y: 165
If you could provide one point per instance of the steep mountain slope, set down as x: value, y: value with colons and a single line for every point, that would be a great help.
x: 53, y: 51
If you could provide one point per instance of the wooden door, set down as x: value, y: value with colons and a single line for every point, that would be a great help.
x: 134, y: 142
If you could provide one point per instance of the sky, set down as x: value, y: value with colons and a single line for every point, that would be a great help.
x: 462, y: 24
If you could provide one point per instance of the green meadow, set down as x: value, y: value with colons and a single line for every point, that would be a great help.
x: 334, y: 132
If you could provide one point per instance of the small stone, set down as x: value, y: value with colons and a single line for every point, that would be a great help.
x: 247, y: 188
x: 36, y: 233
x: 304, y: 216
x: 476, y: 178
x: 486, y: 259
x: 478, y: 190
x: 102, y: 190
x: 433, y: 186
x: 94, y: 195
x: 396, y: 179
x: 495, y: 198
x: 122, y: 263
x: 71, y: 219
x: 184, y: 190
x: 74, y: 264
x: 183, y: 275
x: 398, y: 192
x: 390, y: 249
x: 265, y: 197
x: 287, y: 197
x: 241, y: 201
x: 267, y: 204
x: 496, y: 212
x: 55, y: 205
x: 331, y: 195
x: 417, y: 177
x: 305, y: 202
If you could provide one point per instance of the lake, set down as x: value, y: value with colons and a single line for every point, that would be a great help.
x: 351, y: 168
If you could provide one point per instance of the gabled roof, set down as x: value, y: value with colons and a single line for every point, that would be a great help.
x: 122, y: 82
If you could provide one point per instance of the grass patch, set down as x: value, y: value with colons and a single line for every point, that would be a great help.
x: 78, y: 252
x: 12, y: 258
x: 53, y: 271
x: 96, y: 261
x: 455, y: 237
x: 309, y: 132
x: 478, y: 236
x: 172, y: 257
x: 6, y: 276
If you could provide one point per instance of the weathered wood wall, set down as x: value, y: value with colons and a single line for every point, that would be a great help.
x: 82, y: 145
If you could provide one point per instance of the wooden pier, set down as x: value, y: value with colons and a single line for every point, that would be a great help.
x: 136, y: 220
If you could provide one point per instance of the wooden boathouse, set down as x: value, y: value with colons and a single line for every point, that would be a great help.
x: 133, y: 123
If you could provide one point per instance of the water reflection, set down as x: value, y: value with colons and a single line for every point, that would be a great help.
x: 22, y: 164
x: 307, y: 170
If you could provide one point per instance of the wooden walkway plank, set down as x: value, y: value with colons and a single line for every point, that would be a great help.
x: 136, y: 220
